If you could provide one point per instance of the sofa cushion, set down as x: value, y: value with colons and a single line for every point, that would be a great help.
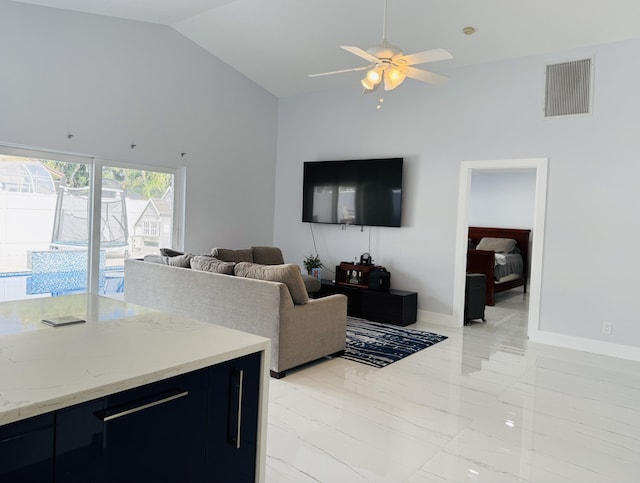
x: 228, y: 255
x: 267, y: 255
x: 289, y: 274
x: 211, y: 264
x: 183, y: 261
x: 312, y: 284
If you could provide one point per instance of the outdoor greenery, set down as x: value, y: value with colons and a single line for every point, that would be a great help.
x: 139, y: 184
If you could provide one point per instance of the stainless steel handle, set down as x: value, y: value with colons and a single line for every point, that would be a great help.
x: 241, y: 377
x: 105, y: 416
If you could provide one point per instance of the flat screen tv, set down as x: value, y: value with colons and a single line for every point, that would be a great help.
x: 364, y: 192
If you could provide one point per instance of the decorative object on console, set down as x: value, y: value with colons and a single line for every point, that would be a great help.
x: 379, y: 279
x: 353, y: 275
x: 365, y: 259
x: 378, y: 345
x: 312, y: 261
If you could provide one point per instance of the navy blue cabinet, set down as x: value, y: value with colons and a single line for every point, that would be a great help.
x: 26, y: 450
x: 233, y: 421
x: 153, y: 433
x: 197, y: 427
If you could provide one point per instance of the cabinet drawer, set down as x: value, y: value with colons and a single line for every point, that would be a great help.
x: 153, y: 433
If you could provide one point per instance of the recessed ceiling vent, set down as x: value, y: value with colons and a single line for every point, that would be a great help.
x: 568, y: 90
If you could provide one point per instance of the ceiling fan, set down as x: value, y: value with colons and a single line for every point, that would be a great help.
x: 389, y: 66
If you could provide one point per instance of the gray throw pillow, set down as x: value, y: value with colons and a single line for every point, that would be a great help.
x: 170, y: 252
x: 211, y: 264
x: 177, y: 261
x: 183, y: 261
x: 267, y: 255
x: 289, y: 274
x: 228, y: 255
x: 155, y: 259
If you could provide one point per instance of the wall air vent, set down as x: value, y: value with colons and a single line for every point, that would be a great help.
x: 568, y: 89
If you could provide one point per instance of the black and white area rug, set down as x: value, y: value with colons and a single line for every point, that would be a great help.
x: 378, y: 345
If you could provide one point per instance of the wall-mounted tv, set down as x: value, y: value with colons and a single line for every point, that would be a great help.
x: 364, y: 192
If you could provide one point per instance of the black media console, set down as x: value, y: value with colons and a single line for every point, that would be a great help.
x: 396, y: 307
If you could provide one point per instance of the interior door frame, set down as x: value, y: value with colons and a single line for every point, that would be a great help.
x: 537, y: 241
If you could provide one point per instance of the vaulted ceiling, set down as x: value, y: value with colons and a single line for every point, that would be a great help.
x: 277, y: 43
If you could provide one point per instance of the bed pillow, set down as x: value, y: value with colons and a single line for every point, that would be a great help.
x: 288, y: 273
x: 206, y: 263
x: 498, y: 245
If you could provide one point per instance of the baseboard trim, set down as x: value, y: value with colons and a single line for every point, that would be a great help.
x: 435, y: 318
x: 610, y: 349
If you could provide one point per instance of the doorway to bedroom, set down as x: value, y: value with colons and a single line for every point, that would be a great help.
x: 526, y: 180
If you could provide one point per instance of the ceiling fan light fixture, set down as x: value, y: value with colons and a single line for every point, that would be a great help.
x: 393, y: 78
x: 367, y: 84
x: 375, y: 75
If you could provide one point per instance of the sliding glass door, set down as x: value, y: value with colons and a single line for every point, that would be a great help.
x: 137, y: 218
x: 67, y: 222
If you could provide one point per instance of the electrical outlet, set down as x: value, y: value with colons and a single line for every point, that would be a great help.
x: 607, y: 327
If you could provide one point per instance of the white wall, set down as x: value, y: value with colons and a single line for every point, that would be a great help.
x: 486, y: 112
x: 113, y: 83
x: 504, y: 200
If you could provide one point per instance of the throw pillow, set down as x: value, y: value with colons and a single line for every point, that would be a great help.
x: 154, y: 259
x: 236, y: 256
x: 267, y: 255
x: 177, y: 261
x: 498, y: 245
x: 212, y: 264
x: 183, y: 261
x: 170, y: 252
x: 289, y: 274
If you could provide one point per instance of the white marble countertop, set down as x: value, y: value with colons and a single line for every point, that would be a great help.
x: 120, y: 346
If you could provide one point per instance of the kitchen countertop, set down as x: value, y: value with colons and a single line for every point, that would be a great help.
x: 120, y: 346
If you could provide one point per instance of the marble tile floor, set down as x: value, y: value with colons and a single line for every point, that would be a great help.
x: 482, y: 406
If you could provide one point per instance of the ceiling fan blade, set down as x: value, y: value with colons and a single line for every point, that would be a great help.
x: 425, y: 76
x: 355, y: 69
x: 426, y: 56
x: 361, y: 53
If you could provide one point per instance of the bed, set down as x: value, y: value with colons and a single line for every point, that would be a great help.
x: 505, y: 269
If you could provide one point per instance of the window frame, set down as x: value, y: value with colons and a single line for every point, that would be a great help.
x: 96, y: 166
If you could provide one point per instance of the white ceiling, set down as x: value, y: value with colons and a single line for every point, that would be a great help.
x: 276, y: 43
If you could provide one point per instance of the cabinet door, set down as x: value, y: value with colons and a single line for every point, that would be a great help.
x: 152, y: 433
x: 26, y: 450
x: 233, y: 421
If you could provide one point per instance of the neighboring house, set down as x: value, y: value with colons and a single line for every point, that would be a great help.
x: 153, y: 227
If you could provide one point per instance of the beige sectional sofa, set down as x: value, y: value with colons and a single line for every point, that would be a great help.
x: 300, y: 332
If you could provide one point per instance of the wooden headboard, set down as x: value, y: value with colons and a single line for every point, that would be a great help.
x: 521, y: 237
